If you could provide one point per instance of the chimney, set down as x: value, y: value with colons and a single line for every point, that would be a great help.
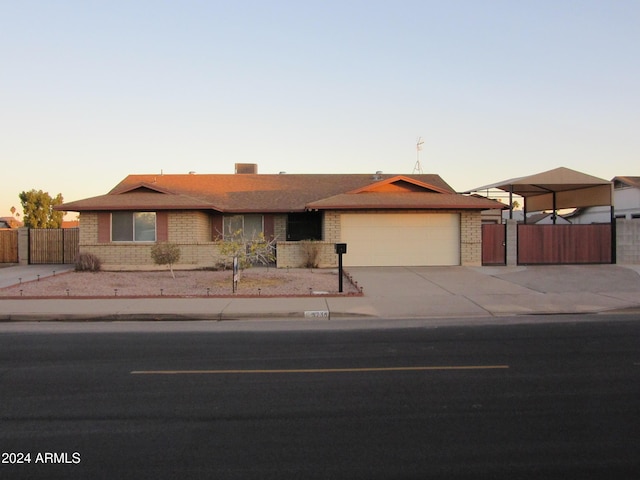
x: 244, y: 168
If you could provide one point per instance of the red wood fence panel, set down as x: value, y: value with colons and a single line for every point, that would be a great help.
x: 8, y: 246
x: 494, y: 250
x: 564, y: 244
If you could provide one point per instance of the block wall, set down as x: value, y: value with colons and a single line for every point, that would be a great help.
x: 628, y: 241
x: 512, y: 242
x: 294, y: 254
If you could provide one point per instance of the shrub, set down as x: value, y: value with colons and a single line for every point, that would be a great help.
x: 88, y: 262
x: 257, y: 251
x: 311, y: 251
x: 166, y: 253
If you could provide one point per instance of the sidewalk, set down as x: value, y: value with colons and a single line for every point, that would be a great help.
x: 389, y: 292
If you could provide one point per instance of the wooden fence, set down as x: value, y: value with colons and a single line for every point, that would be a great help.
x: 564, y: 244
x: 494, y: 246
x: 53, y: 245
x: 8, y: 246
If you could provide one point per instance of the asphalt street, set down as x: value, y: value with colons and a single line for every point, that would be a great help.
x: 556, y: 400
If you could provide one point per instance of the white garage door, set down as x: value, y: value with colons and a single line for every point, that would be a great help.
x: 401, y: 239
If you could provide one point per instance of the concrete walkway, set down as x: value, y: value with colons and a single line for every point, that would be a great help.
x: 389, y: 292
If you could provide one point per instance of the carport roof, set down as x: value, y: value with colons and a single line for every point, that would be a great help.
x: 557, y: 188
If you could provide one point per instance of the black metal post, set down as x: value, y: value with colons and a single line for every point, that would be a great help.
x: 341, y: 248
x: 340, y: 272
x: 510, y: 203
x: 614, y: 239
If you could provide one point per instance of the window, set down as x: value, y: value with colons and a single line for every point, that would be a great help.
x: 248, y: 226
x: 133, y: 227
x: 304, y: 226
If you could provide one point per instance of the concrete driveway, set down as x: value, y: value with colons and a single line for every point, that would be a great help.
x: 478, y: 291
x: 389, y: 292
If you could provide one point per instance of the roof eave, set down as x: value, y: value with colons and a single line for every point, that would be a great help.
x: 139, y: 208
x: 404, y: 207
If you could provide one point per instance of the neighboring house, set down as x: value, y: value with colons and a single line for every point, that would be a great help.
x: 546, y: 218
x: 9, y: 222
x: 384, y: 219
x: 626, y: 202
x: 70, y: 224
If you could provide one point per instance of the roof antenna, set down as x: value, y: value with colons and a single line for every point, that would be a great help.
x: 417, y: 168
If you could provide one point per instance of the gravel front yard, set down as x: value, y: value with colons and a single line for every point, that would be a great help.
x: 256, y: 281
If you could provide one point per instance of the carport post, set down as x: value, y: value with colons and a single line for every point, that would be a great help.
x: 511, y: 202
x: 614, y: 236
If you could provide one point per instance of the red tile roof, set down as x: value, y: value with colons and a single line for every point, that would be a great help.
x: 245, y: 193
x: 411, y: 200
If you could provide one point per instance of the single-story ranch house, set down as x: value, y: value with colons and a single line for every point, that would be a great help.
x: 384, y: 219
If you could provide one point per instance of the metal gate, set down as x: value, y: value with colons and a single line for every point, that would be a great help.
x: 53, y: 245
x: 494, y: 246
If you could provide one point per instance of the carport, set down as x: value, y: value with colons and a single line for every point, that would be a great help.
x: 557, y: 244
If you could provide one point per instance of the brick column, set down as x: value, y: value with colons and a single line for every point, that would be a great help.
x: 512, y: 242
x: 23, y: 246
x: 470, y: 239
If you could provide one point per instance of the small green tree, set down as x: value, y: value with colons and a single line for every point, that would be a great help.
x: 38, y: 209
x: 166, y: 253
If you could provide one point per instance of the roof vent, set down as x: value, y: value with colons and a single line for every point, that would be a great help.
x: 192, y: 172
x: 246, y: 168
x: 377, y: 175
x: 283, y: 173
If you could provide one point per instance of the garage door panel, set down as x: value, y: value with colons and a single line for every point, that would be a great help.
x: 401, y: 239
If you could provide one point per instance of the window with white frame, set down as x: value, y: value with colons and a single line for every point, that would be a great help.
x: 247, y: 227
x: 133, y: 227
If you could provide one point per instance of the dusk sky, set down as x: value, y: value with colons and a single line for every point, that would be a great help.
x: 91, y: 91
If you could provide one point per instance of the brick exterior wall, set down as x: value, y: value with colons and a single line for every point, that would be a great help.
x: 280, y: 227
x: 192, y: 231
x: 89, y: 230
x: 470, y: 238
x: 291, y: 254
x: 331, y: 227
x: 189, y: 229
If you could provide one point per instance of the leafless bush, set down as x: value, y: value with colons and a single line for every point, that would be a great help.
x: 311, y: 251
x: 88, y: 262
